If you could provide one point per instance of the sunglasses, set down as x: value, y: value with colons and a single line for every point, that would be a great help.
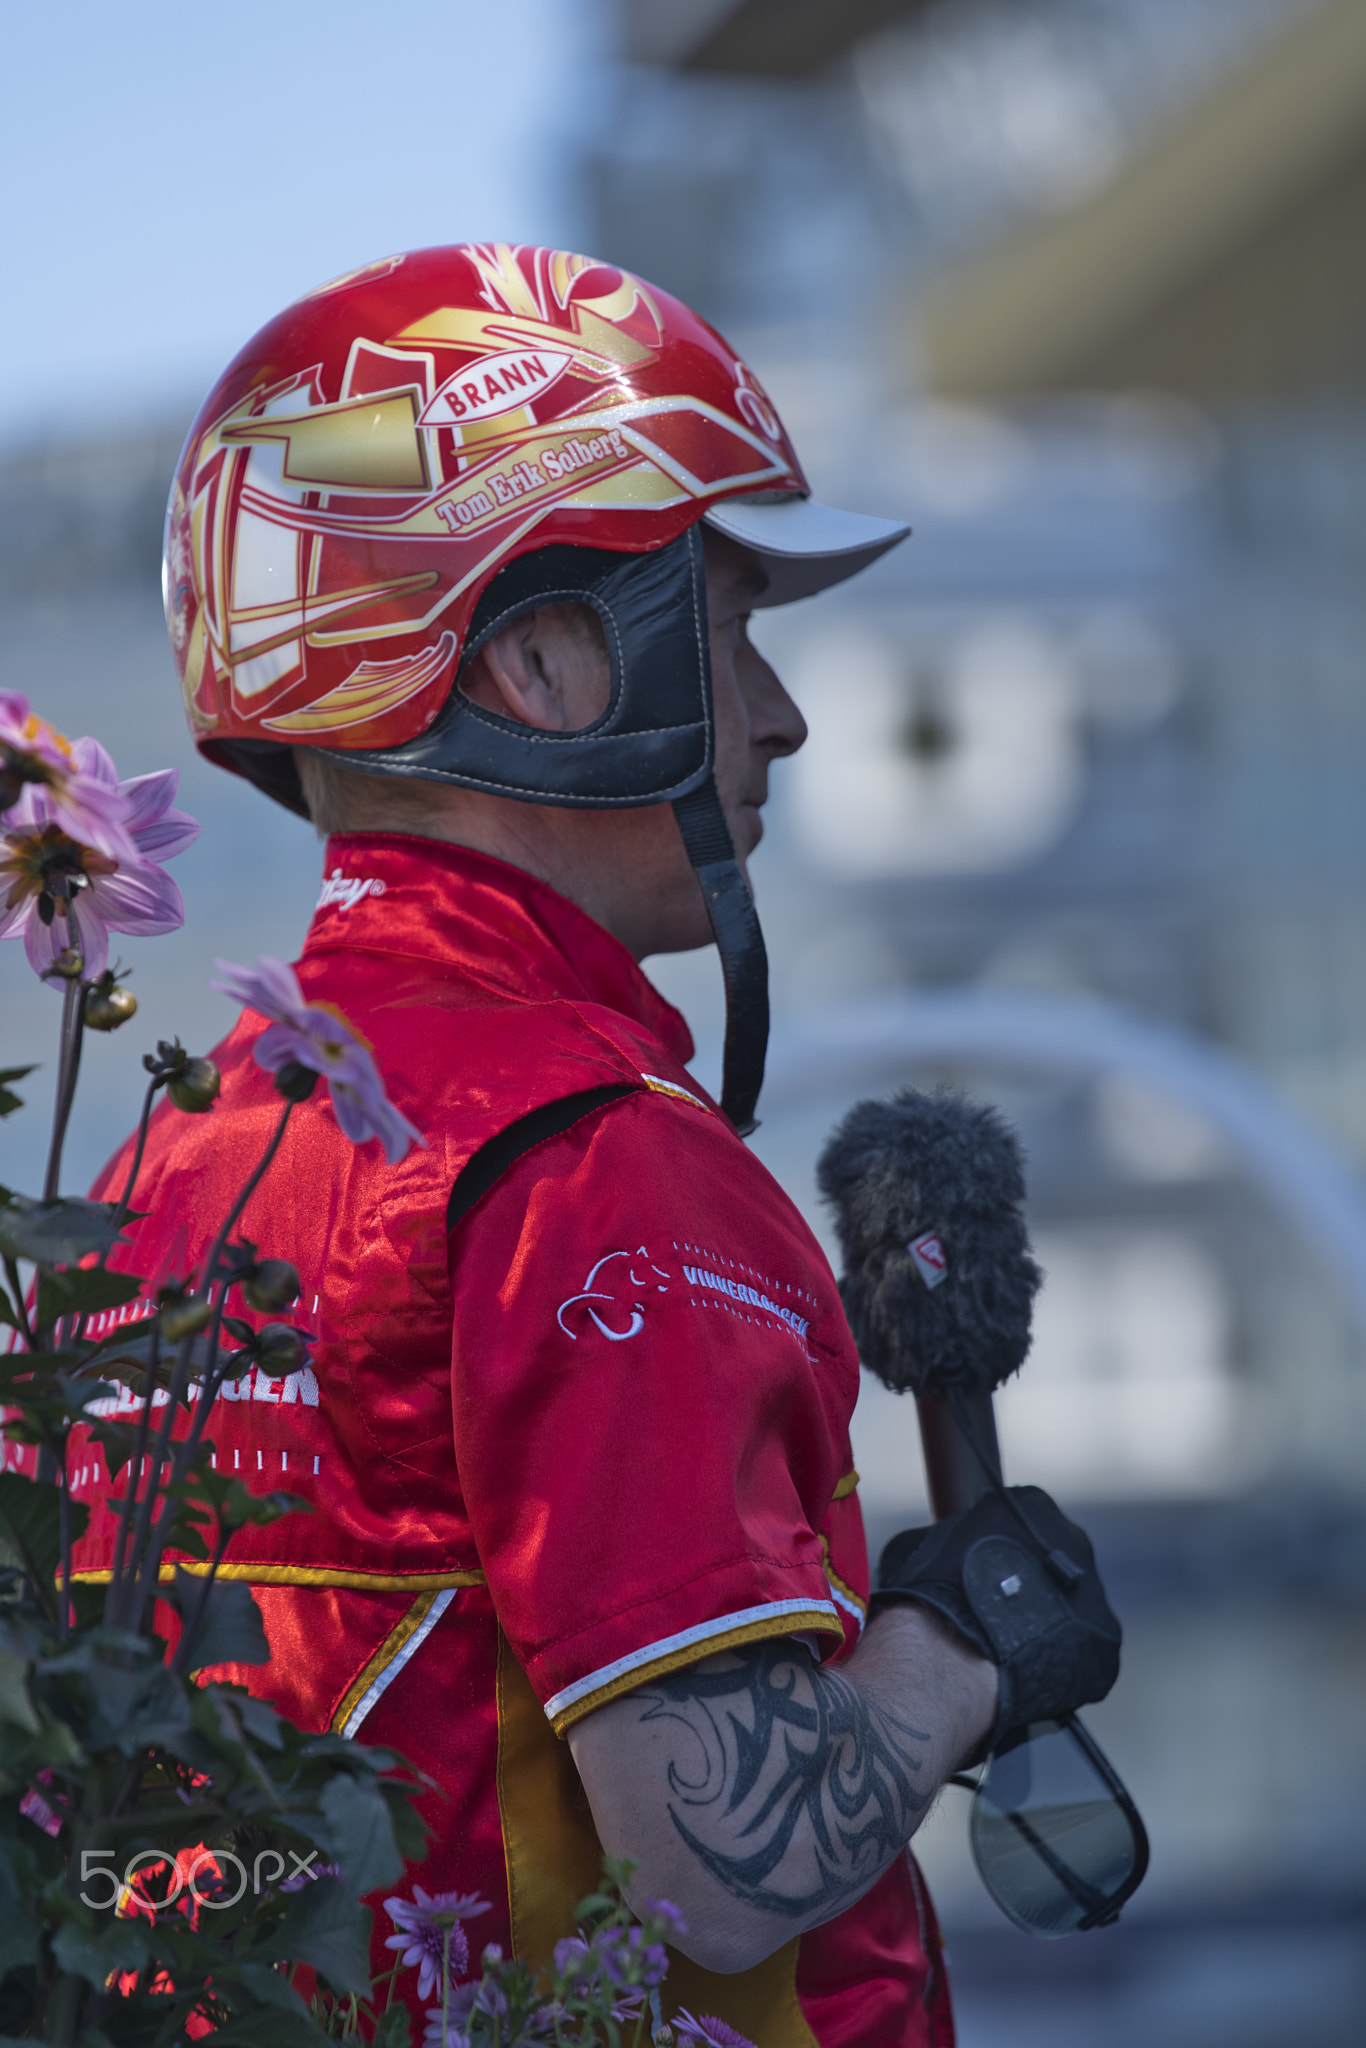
x: 1056, y: 1838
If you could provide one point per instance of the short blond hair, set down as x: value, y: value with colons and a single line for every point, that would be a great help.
x: 343, y: 799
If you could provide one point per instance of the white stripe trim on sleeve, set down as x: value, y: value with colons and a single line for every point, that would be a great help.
x: 382, y: 1680
x: 850, y: 1606
x: 701, y: 1632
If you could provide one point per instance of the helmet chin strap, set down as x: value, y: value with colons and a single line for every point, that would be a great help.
x: 739, y: 941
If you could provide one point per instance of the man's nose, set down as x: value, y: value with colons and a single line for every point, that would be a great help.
x: 775, y: 724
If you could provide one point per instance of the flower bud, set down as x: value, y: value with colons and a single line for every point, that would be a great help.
x: 107, y: 1008
x: 279, y: 1349
x: 295, y: 1081
x: 185, y: 1317
x: 68, y: 964
x: 270, y: 1286
x: 196, y: 1086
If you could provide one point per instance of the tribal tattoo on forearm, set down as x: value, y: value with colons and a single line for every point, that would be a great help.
x: 796, y: 1790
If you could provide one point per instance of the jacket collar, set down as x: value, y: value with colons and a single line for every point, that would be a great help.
x: 465, y: 912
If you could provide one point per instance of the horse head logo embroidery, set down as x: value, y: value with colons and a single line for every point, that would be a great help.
x: 615, y: 1294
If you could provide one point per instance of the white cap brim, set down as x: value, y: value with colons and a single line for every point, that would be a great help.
x: 805, y: 546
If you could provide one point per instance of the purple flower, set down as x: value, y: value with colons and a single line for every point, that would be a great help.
x: 113, y: 877
x: 573, y: 1958
x: 309, y: 1876
x: 663, y: 1909
x: 441, y: 2031
x: 316, y: 1036
x: 629, y: 1959
x: 88, y: 807
x: 708, y: 2032
x: 429, y: 1929
x: 35, y: 1808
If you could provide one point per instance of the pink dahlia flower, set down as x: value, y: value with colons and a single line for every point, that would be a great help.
x: 87, y: 806
x: 114, y: 879
x: 316, y: 1036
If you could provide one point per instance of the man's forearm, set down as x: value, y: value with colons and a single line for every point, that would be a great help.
x: 764, y: 1794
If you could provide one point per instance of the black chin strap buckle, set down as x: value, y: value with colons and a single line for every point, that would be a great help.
x: 740, y: 943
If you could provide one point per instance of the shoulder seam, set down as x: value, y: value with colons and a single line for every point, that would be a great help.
x: 488, y: 1165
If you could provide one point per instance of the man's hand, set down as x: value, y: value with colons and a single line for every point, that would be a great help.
x: 763, y: 1793
x: 1019, y: 1582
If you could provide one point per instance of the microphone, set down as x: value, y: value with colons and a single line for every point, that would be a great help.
x: 939, y: 1282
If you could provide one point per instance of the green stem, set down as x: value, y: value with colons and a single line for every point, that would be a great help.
x: 62, y: 2016
x: 150, y: 1566
x: 207, y: 1270
x: 125, y: 1200
x: 69, y: 1061
x: 64, y: 1519
x: 114, y: 1602
x: 20, y: 1308
x: 146, y: 1545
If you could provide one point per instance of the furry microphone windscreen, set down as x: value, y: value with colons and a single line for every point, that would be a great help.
x: 939, y: 1284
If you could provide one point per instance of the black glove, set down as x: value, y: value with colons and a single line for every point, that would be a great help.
x: 1019, y: 1581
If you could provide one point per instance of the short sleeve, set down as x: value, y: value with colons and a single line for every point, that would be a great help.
x: 652, y: 1383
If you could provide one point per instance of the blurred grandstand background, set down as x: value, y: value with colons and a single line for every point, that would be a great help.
x: 1076, y: 287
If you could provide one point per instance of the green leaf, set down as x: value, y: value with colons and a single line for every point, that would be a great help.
x: 7, y: 1314
x: 84, y: 1952
x: 268, y: 1984
x: 362, y: 1832
x: 30, y: 1531
x: 55, y: 1233
x: 229, y: 1631
x: 393, y: 2029
x: 269, y: 2028
x: 83, y: 1290
x: 116, y: 1439
x: 9, y: 1101
x: 238, y: 1716
x: 15, y: 1704
x: 18, y: 1929
x: 330, y: 1931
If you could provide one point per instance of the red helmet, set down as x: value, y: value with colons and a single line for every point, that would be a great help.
x: 407, y: 458
x: 380, y: 450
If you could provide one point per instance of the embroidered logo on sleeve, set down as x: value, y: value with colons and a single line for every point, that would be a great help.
x: 621, y: 1291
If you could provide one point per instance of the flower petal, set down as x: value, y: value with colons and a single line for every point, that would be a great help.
x: 271, y: 988
x: 91, y: 758
x: 148, y: 797
x: 94, y: 937
x: 12, y: 918
x: 278, y: 1044
x: 42, y: 943
x: 166, y: 836
x: 13, y: 718
x: 91, y: 815
x: 368, y: 1113
x: 140, y: 899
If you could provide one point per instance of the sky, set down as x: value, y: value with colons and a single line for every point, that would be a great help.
x: 174, y: 174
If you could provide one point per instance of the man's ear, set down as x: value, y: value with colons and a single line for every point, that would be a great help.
x: 548, y: 669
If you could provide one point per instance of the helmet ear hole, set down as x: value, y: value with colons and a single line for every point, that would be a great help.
x: 548, y: 666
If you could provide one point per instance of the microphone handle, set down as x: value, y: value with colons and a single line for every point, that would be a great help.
x: 953, y: 1469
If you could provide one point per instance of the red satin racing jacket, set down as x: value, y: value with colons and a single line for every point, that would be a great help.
x: 597, y: 1430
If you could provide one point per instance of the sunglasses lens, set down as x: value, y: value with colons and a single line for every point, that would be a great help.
x: 1054, y: 1845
